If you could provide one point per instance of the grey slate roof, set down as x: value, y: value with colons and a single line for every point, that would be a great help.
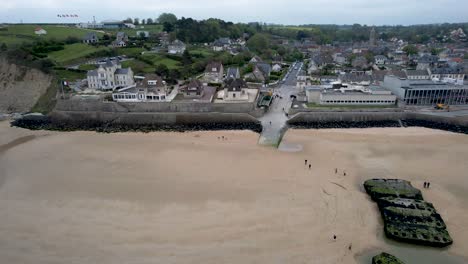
x: 265, y: 68
x: 222, y: 42
x: 448, y: 70
x: 232, y: 72
x: 417, y: 73
x: 92, y: 73
x: 122, y: 71
x: 236, y: 85
x: 213, y: 65
x: 90, y: 36
x: 428, y: 59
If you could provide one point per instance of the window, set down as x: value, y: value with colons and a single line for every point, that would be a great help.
x: 233, y: 95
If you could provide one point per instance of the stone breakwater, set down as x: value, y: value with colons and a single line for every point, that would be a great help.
x: 110, y: 127
x: 382, y: 123
x: 407, y: 217
x: 344, y: 124
x: 435, y: 125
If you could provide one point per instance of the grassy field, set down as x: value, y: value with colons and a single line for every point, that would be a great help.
x: 69, y: 75
x: 130, y: 52
x: 73, y: 52
x: 138, y: 66
x: 87, y: 67
x: 17, y: 34
x: 160, y: 59
x: 200, y: 51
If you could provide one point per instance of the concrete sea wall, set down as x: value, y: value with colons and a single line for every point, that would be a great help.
x: 163, y: 107
x: 134, y: 118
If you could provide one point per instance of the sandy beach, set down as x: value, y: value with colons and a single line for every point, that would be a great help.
x: 84, y: 197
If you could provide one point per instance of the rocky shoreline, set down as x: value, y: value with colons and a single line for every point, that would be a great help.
x: 381, y: 124
x: 46, y: 124
x: 343, y: 124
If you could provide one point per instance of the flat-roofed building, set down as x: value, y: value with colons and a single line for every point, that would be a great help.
x: 344, y: 94
x: 426, y: 92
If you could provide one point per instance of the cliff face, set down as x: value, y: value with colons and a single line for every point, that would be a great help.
x: 20, y: 87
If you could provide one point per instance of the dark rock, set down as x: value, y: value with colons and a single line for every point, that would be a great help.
x: 91, y: 125
x: 385, y: 258
x: 435, y: 125
x: 407, y: 217
x: 344, y: 124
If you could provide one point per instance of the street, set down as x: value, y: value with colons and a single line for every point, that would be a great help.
x: 274, y: 121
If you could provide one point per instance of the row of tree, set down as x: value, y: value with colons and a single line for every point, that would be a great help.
x: 163, y: 18
x: 326, y: 34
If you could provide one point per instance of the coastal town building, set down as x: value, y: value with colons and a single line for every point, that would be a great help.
x: 113, y: 24
x: 233, y: 73
x: 221, y: 44
x: 455, y: 72
x: 255, y: 59
x: 417, y: 75
x: 40, y: 31
x: 176, y: 47
x: 426, y: 92
x: 372, y: 38
x: 380, y: 59
x: 194, y: 89
x: 151, y: 88
x: 346, y: 94
x: 90, y: 38
x: 120, y: 41
x: 236, y: 90
x: 214, y: 72
x: 109, y: 76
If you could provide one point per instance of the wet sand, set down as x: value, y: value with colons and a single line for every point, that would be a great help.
x: 83, y: 197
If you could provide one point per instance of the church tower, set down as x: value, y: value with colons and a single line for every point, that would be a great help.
x: 372, y: 41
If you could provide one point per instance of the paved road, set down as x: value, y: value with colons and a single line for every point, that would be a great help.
x: 274, y: 121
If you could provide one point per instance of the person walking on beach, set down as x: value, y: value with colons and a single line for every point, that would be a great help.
x: 310, y: 165
x: 428, y: 184
x: 334, y: 237
x: 425, y: 185
x: 336, y: 170
x: 344, y: 173
x: 305, y: 162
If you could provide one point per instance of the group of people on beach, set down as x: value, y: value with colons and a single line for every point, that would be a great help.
x: 336, y: 169
x: 427, y: 185
x: 306, y: 163
x: 336, y: 172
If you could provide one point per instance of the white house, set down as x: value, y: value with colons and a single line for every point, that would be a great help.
x: 276, y: 68
x: 176, y: 47
x: 380, y: 59
x: 110, y: 76
x: 214, y: 72
x: 236, y: 90
x: 255, y: 59
x: 150, y: 89
x: 90, y: 38
x: 40, y: 31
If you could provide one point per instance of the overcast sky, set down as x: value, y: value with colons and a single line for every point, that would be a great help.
x: 291, y: 12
